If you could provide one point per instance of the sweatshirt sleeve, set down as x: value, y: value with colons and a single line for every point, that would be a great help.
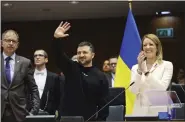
x: 103, y: 114
x: 63, y: 62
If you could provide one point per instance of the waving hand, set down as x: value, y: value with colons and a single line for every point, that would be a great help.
x: 61, y: 30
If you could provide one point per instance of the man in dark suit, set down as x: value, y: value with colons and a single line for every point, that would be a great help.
x: 49, y: 84
x: 111, y: 75
x: 16, y: 80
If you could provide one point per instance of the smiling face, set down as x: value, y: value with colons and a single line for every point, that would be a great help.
x: 152, y: 47
x: 149, y: 48
x: 85, y: 55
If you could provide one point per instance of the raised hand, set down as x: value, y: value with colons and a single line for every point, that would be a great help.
x: 141, y: 57
x: 61, y: 30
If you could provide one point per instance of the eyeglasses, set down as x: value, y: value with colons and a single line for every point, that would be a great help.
x: 40, y: 55
x: 11, y: 41
x: 113, y: 64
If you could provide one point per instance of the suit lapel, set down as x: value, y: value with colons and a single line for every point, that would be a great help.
x: 16, y: 67
x: 47, y: 79
x: 46, y: 92
x: 46, y: 83
x: 109, y: 78
x: 155, y: 65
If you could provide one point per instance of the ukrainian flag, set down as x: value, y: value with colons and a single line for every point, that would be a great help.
x: 130, y: 48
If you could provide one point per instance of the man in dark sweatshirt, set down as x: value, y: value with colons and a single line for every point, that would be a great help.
x: 86, y: 88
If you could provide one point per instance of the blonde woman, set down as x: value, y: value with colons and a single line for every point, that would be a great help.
x: 151, y: 73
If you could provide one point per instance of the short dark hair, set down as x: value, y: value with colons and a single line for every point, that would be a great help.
x: 85, y: 43
x: 113, y: 56
x: 45, y: 53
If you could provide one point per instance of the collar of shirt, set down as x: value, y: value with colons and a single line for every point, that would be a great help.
x: 152, y: 68
x: 113, y: 75
x: 42, y: 72
x: 12, y: 56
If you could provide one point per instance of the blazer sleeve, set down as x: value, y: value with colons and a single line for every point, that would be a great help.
x: 166, y: 78
x: 33, y: 88
x: 137, y: 79
x: 62, y: 60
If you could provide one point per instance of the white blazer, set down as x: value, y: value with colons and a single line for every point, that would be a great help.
x: 159, y: 78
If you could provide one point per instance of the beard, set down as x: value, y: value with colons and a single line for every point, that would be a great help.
x: 84, y: 62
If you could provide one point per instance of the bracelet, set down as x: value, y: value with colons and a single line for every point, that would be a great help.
x: 146, y: 73
x: 139, y: 72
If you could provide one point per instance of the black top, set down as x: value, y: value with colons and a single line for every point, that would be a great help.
x: 52, y: 92
x: 86, y: 88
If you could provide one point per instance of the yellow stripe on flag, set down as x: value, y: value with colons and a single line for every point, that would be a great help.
x: 122, y: 79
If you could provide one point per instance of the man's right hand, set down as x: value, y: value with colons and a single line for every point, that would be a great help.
x: 61, y: 30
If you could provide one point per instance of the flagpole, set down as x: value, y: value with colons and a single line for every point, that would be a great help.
x: 130, y: 4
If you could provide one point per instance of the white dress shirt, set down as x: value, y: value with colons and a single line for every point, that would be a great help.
x: 113, y: 75
x: 40, y: 79
x: 12, y: 64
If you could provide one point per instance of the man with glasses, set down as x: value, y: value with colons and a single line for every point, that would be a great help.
x: 16, y: 80
x: 112, y: 62
x: 48, y: 84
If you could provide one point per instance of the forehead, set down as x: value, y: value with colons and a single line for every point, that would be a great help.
x: 83, y: 48
x: 147, y: 40
x: 106, y: 62
x: 39, y: 52
x: 10, y: 35
x: 112, y: 60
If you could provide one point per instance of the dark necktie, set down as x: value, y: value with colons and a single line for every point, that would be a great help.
x: 7, y: 69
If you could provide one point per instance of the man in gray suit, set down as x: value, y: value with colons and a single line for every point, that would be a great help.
x: 16, y: 80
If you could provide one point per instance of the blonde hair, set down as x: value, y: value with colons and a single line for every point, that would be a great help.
x: 10, y: 30
x: 158, y: 44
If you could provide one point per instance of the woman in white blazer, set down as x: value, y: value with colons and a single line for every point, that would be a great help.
x: 151, y: 73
